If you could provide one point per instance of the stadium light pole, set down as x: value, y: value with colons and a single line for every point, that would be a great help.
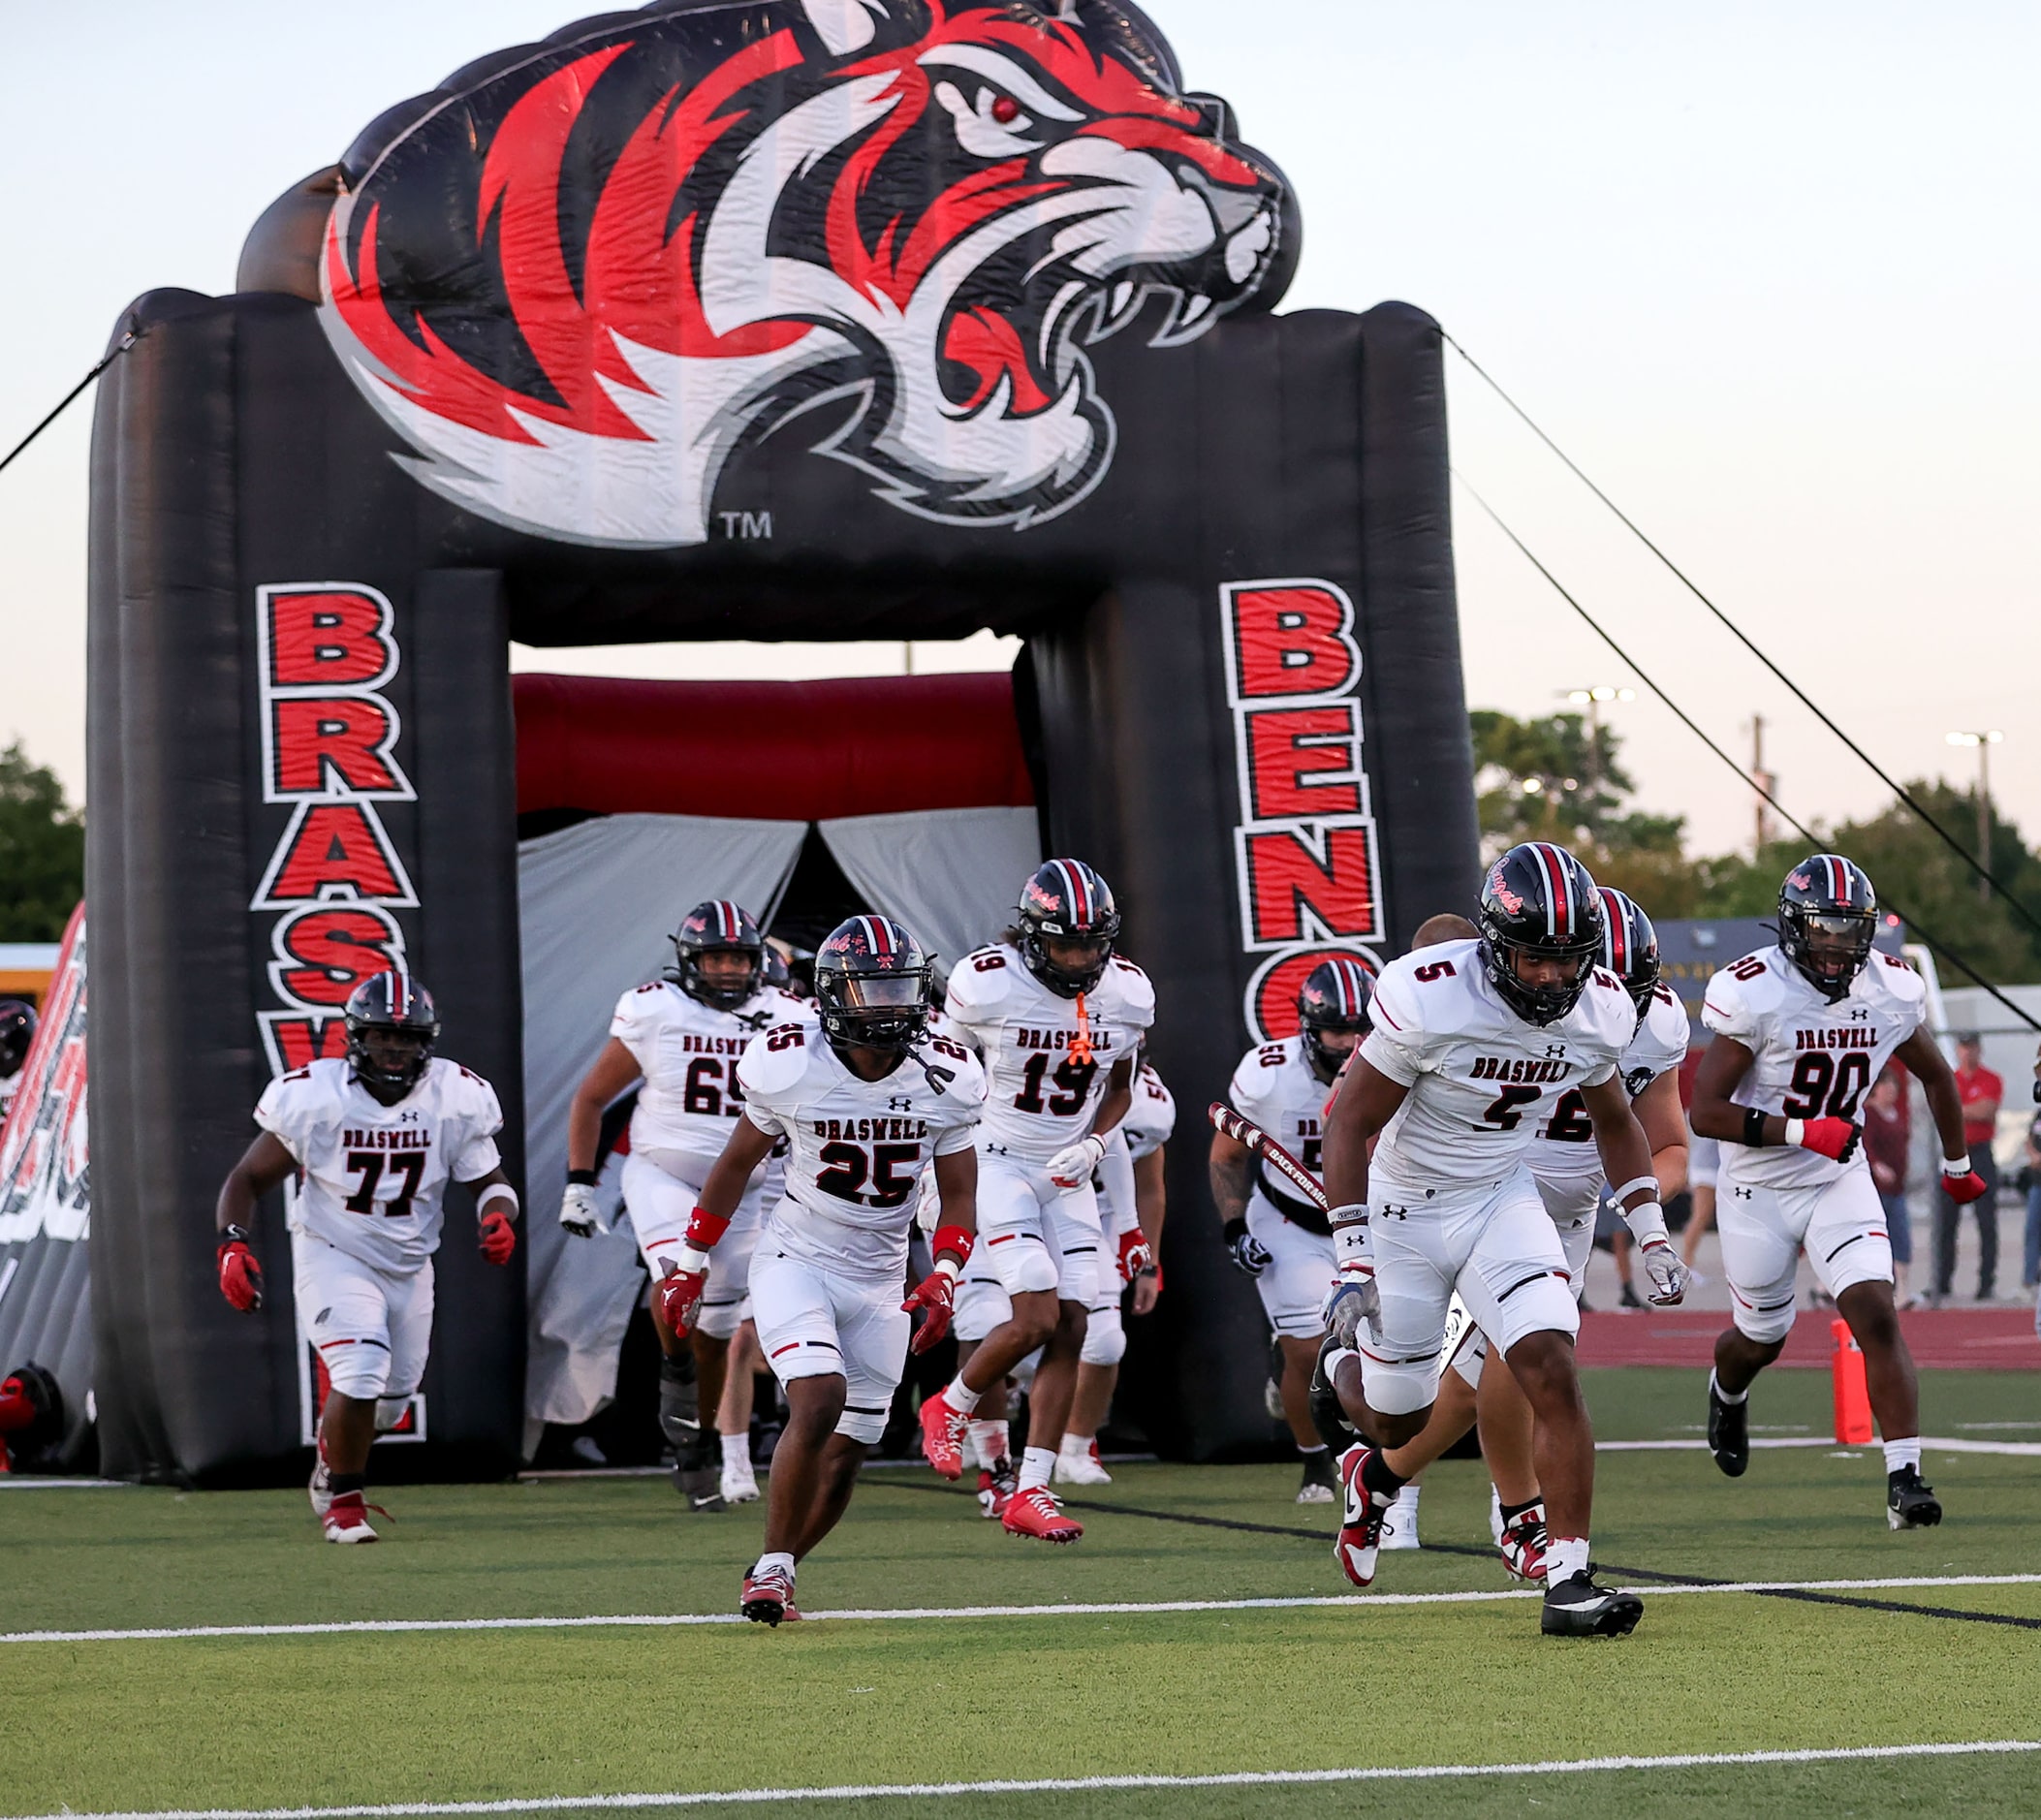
x: 1592, y: 699
x: 1983, y: 741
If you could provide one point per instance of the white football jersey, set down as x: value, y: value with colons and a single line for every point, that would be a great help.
x: 1564, y: 1149
x: 1147, y: 1126
x: 372, y: 1177
x: 1274, y: 1086
x: 856, y: 1148
x: 687, y: 1053
x: 1811, y: 1059
x: 1482, y: 1081
x: 1041, y: 1098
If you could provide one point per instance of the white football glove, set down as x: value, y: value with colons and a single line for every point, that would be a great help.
x: 579, y: 1213
x: 1669, y: 1276
x: 1071, y: 1166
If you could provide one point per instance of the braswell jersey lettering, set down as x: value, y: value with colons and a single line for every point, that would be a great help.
x: 1042, y: 1093
x: 1482, y: 1079
x: 689, y: 1053
x: 856, y: 1147
x: 1811, y: 1059
x: 1564, y: 1149
x: 1275, y: 1087
x: 373, y: 1177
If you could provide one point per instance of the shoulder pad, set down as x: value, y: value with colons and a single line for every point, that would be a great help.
x: 980, y: 981
x: 1896, y: 975
x: 776, y: 1059
x: 953, y: 1070
x: 1136, y: 990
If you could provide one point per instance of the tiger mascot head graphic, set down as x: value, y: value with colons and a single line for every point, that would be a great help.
x: 583, y: 274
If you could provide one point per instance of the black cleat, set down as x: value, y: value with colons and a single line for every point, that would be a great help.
x: 680, y: 1404
x: 1908, y: 1503
x: 698, y: 1476
x: 1729, y: 1433
x: 1328, y: 1415
x: 1319, y: 1484
x: 1579, y: 1608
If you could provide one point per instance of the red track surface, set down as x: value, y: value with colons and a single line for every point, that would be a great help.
x: 1978, y: 1339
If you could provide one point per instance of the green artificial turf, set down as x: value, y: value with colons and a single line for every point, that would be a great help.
x: 247, y: 1722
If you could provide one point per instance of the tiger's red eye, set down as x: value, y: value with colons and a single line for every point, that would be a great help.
x: 1006, y: 110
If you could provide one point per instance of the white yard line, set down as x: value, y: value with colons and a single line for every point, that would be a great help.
x: 1932, y: 1443
x: 1068, y: 1785
x: 667, y: 1621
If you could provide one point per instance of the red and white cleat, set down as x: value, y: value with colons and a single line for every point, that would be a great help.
x: 769, y: 1596
x: 995, y: 1489
x: 321, y: 1488
x: 1081, y: 1465
x: 1523, y: 1546
x: 346, y: 1518
x: 943, y: 1435
x: 1360, y: 1537
x: 1034, y: 1513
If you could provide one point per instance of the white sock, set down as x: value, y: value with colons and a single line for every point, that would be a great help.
x: 1077, y: 1445
x: 989, y: 1439
x: 1407, y: 1499
x: 1564, y: 1557
x: 1036, y: 1464
x: 959, y: 1396
x: 1715, y: 1389
x: 1311, y: 1452
x: 784, y: 1563
x: 1900, y: 1454
x: 737, y: 1450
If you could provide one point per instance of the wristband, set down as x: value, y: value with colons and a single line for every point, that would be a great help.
x: 706, y: 1229
x: 581, y: 1179
x: 1754, y: 1128
x: 242, y: 1236
x: 955, y: 1240
x: 1631, y: 1187
x: 1796, y: 1132
x: 1350, y: 1247
x: 1956, y: 1166
x: 496, y: 1192
x: 1234, y: 1229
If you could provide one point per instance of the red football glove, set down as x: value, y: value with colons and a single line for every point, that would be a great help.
x: 499, y: 1237
x: 240, y: 1276
x: 1134, y: 1256
x: 1833, y: 1138
x: 1964, y: 1188
x: 933, y: 1295
x: 680, y: 1294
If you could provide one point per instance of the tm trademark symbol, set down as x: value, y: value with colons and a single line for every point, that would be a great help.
x: 745, y: 525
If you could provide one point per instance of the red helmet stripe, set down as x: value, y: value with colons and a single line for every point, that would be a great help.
x: 1559, y: 907
x: 1838, y: 878
x: 1619, y: 933
x: 1073, y: 887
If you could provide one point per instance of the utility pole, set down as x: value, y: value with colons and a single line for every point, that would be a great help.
x: 1983, y: 741
x: 1764, y: 781
x: 1592, y: 699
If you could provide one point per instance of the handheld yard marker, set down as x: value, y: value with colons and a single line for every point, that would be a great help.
x: 1244, y: 1131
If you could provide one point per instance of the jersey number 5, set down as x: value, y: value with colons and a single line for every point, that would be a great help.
x: 409, y: 1164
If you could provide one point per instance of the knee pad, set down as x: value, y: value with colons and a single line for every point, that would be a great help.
x: 389, y: 1411
x: 1766, y: 1321
x: 359, y: 1373
x: 862, y: 1424
x: 1105, y: 1339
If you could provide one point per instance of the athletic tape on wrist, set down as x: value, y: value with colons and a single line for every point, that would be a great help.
x: 1631, y: 1186
x: 495, y: 1194
x: 1956, y: 1165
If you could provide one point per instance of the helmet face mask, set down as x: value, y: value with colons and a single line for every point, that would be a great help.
x: 392, y: 1029
x: 1067, y: 922
x: 1828, y: 917
x: 1332, y: 1014
x: 871, y: 985
x: 713, y: 930
x: 1542, y: 929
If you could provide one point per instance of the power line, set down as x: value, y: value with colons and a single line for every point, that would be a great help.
x: 113, y: 354
x: 1687, y: 721
x: 1976, y: 863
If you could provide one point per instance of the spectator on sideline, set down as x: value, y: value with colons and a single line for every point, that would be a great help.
x: 2030, y: 1254
x: 1982, y: 1091
x: 1887, y: 1122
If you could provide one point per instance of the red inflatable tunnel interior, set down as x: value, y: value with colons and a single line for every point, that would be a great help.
x: 780, y: 751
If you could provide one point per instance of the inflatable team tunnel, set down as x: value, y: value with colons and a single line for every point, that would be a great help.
x: 735, y: 319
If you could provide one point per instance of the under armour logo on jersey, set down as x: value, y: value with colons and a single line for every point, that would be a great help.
x: 409, y: 1117
x: 1556, y: 1049
x: 900, y: 1103
x: 1859, y: 1014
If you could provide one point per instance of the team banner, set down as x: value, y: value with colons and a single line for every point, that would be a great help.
x: 755, y: 320
x: 45, y: 1199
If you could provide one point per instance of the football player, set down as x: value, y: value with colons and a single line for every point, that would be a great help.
x: 1474, y: 1044
x: 1272, y: 1232
x: 1800, y: 1030
x: 1568, y: 1171
x: 373, y: 1138
x: 1057, y: 1017
x: 682, y: 1036
x: 868, y: 1100
x: 1133, y: 1200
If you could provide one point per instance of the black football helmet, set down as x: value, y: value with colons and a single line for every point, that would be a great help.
x: 773, y: 970
x: 1629, y: 946
x: 871, y: 984
x: 1333, y: 997
x: 17, y: 1030
x: 718, y: 925
x: 1540, y: 901
x: 1829, y: 898
x: 1068, y: 900
x: 390, y: 1002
